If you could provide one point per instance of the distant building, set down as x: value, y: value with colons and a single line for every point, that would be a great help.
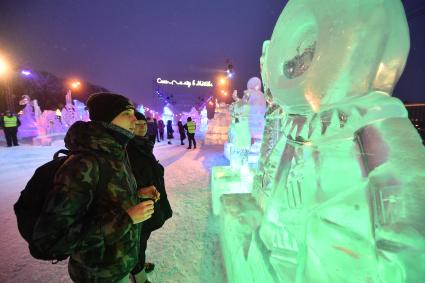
x: 417, y: 117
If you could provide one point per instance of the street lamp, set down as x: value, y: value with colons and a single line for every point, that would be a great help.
x: 75, y: 84
x: 26, y: 72
x: 4, y: 67
x: 4, y: 74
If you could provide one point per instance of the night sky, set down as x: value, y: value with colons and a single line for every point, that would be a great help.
x: 125, y: 45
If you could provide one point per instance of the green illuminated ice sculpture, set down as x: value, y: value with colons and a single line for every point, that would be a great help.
x: 340, y: 189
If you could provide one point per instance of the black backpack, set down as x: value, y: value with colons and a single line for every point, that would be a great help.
x: 30, y: 203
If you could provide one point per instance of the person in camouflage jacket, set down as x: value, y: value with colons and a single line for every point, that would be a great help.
x: 103, y: 224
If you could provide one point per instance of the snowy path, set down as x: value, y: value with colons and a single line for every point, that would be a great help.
x: 185, y: 250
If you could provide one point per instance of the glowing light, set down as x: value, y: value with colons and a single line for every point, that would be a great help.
x: 75, y: 84
x: 192, y: 83
x: 26, y: 72
x: 3, y: 67
x: 222, y: 81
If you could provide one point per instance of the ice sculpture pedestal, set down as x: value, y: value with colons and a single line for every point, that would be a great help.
x: 239, y: 219
x: 245, y: 256
x: 252, y: 157
x: 47, y: 140
x: 225, y: 180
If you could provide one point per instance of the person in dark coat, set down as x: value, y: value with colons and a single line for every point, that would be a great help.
x: 152, y: 130
x: 155, y: 122
x: 161, y: 127
x: 170, y: 131
x: 181, y: 132
x: 148, y: 173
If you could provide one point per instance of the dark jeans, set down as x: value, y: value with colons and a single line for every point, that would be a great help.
x: 10, y: 134
x: 191, y: 138
x: 161, y: 135
x: 142, y: 255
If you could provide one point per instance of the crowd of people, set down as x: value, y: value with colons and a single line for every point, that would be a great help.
x: 109, y: 195
x: 155, y: 131
x: 10, y: 123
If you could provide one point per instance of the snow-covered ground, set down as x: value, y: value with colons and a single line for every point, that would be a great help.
x: 185, y: 250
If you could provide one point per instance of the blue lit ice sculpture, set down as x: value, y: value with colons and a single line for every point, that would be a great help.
x: 340, y: 189
x: 167, y: 114
x: 141, y: 109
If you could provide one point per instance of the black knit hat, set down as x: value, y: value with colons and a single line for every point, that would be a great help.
x: 139, y: 116
x: 105, y: 106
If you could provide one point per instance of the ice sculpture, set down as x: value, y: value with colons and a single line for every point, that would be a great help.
x: 141, y: 109
x: 257, y: 108
x: 194, y: 114
x: 239, y: 132
x: 52, y: 125
x: 28, y: 126
x: 342, y: 176
x: 246, y: 130
x: 167, y: 114
x: 219, y: 125
x: 204, y: 120
x: 81, y: 112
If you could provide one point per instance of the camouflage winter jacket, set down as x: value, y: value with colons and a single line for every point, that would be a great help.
x: 102, y: 241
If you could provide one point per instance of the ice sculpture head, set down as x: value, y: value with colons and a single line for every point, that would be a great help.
x: 235, y: 95
x: 254, y: 83
x: 316, y: 60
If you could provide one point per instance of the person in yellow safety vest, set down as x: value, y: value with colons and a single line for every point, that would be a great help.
x: 190, y: 127
x: 10, y: 125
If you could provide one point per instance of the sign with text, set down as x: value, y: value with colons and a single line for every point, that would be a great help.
x: 192, y: 83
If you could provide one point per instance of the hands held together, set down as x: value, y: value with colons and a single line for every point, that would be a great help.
x: 145, y: 208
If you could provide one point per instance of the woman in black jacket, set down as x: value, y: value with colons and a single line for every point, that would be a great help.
x: 181, y: 132
x: 170, y: 131
x: 149, y: 175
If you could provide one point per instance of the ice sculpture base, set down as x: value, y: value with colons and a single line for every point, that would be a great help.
x: 252, y: 157
x: 47, y: 140
x: 228, y: 180
x: 245, y: 257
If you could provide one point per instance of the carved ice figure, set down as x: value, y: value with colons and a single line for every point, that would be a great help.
x: 257, y: 108
x: 28, y: 126
x: 48, y: 123
x: 204, y: 119
x: 81, y: 113
x: 341, y: 184
x: 344, y: 203
x: 37, y: 109
x: 167, y: 114
x: 194, y: 114
x: 239, y: 132
x: 219, y: 125
x: 141, y: 109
